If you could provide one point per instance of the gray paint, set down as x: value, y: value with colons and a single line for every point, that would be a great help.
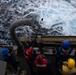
x: 3, y: 65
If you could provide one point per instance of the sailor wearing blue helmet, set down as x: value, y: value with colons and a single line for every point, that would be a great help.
x: 63, y: 52
x: 9, y: 58
x: 4, y: 52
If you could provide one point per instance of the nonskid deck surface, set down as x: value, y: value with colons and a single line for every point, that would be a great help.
x: 26, y: 71
x: 25, y: 68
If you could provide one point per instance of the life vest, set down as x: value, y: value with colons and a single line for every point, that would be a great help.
x: 60, y: 53
x: 41, y: 65
x: 61, y: 56
x: 28, y: 54
x: 67, y: 71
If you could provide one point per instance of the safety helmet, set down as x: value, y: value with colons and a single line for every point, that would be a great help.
x: 65, y: 44
x: 29, y: 51
x: 39, y: 58
x: 71, y: 63
x: 4, y: 51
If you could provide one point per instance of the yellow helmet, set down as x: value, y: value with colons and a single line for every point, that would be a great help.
x: 71, y: 63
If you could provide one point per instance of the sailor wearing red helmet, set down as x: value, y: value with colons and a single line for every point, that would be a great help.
x: 42, y: 65
x: 30, y: 55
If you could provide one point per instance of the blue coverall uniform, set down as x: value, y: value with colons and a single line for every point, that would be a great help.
x: 61, y: 56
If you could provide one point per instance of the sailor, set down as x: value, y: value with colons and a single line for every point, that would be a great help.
x: 9, y: 58
x: 30, y: 55
x: 67, y: 67
x: 63, y: 52
x: 42, y: 65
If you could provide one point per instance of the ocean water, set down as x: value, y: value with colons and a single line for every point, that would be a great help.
x: 55, y: 17
x: 55, y: 13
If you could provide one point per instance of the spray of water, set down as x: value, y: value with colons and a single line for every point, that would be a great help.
x: 51, y: 12
x: 54, y: 15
